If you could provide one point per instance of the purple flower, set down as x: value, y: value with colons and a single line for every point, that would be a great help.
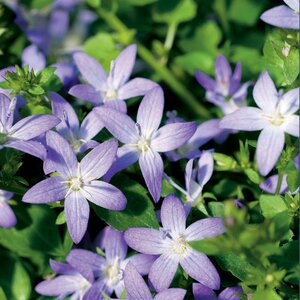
x: 109, y: 270
x: 137, y: 289
x: 7, y: 216
x: 226, y: 91
x: 77, y: 182
x: 195, y: 178
x: 171, y: 244
x: 34, y: 58
x: 283, y: 16
x: 143, y: 140
x: 274, y: 117
x: 19, y: 135
x: 69, y: 283
x: 202, y: 292
x: 113, y: 88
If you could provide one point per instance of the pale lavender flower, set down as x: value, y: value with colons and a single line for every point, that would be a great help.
x: 283, y: 16
x: 109, y: 270
x: 195, y: 178
x: 202, y: 292
x: 171, y: 244
x: 274, y: 117
x: 19, y: 136
x: 70, y: 282
x: 143, y: 140
x: 137, y: 289
x: 34, y: 58
x: 113, y: 88
x: 77, y: 182
x: 2, y: 79
x: 7, y: 216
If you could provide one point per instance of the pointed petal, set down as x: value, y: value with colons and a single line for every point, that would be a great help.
x: 118, y: 124
x: 205, y: 167
x: 96, y: 163
x: 126, y: 156
x: 240, y: 95
x: 200, y: 268
x: 77, y: 215
x: 136, y: 87
x: 61, y: 154
x: 270, y: 184
x: 105, y: 195
x: 123, y: 66
x: 90, y: 126
x: 145, y: 240
x: 31, y: 147
x: 173, y: 215
x: 95, y: 291
x: 293, y: 4
x: 34, y: 58
x: 172, y: 136
x: 88, y: 145
x: 65, y: 112
x: 223, y: 71
x: 135, y: 285
x: 269, y: 147
x: 291, y: 125
x: 48, y: 190
x: 174, y: 294
x: 205, y: 81
x: 205, y: 228
x: 281, y: 16
x: 7, y: 217
x: 61, y: 268
x: 246, y: 118
x: 4, y: 109
x: 32, y: 126
x: 142, y: 262
x: 289, y: 103
x: 188, y: 175
x: 202, y: 292
x: 86, y: 92
x: 118, y: 105
x: 236, y: 78
x: 150, y: 111
x: 90, y: 69
x: 231, y: 293
x: 152, y: 168
x: 265, y: 93
x: 163, y: 271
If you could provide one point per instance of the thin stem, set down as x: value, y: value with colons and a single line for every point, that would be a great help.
x: 279, y: 182
x: 170, y: 36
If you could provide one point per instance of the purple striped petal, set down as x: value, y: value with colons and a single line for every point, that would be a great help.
x: 291, y: 125
x: 90, y: 126
x: 150, y: 111
x: 118, y: 124
x: 174, y: 294
x: 173, y: 215
x: 172, y: 136
x: 49, y: 190
x: 152, y: 168
x: 205, y: 81
x: 270, y: 184
x: 236, y: 78
x: 95, y: 291
x: 145, y: 240
x: 7, y: 217
x: 269, y: 147
x: 293, y: 4
x: 289, y: 103
x: 4, y: 109
x: 97, y: 162
x: 105, y: 195
x: 231, y: 293
x: 205, y: 228
x: 61, y: 268
x: 136, y: 87
x: 223, y: 72
x: 31, y: 147
x: 142, y: 262
x: 136, y: 287
x: 202, y: 292
x: 240, y: 95
x: 77, y: 215
x: 200, y: 268
x: 205, y: 167
x: 34, y: 58
x: 119, y: 105
x: 90, y: 69
x: 163, y: 271
x: 86, y: 92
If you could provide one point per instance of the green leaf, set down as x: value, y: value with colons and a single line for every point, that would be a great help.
x: 93, y: 3
x: 293, y: 179
x: 271, y: 205
x: 36, y: 90
x: 139, y: 211
x: 14, y: 279
x: 253, y: 175
x: 2, y: 294
x: 140, y: 2
x: 266, y: 295
x: 61, y: 218
x: 174, y: 11
x: 216, y: 209
x: 45, y: 75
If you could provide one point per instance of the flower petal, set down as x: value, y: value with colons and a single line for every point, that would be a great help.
x: 293, y: 4
x: 48, y: 190
x: 236, y: 78
x: 289, y: 103
x: 123, y: 66
x: 32, y: 126
x: 77, y: 215
x: 265, y: 93
x: 142, y: 262
x: 61, y: 268
x: 33, y: 58
x: 136, y: 287
x: 163, y: 271
x: 231, y: 293
x: 200, y: 268
x: 202, y: 292
x: 96, y: 163
x: 31, y: 147
x: 105, y: 195
x: 86, y: 92
x: 7, y: 217
x: 118, y: 124
x: 269, y: 147
x: 119, y: 105
x: 246, y: 118
x: 136, y: 87
x: 205, y: 228
x: 173, y: 215
x: 150, y: 111
x: 291, y: 125
x: 205, y: 81
x: 145, y: 240
x: 172, y: 136
x: 174, y: 294
x: 223, y: 71
x: 205, y: 167
x: 270, y: 184
x: 90, y: 69
x: 152, y: 168
x: 90, y: 126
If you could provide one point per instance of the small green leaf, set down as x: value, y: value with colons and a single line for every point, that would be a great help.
x: 271, y: 205
x: 45, y: 75
x: 253, y: 175
x: 93, y: 3
x: 266, y: 295
x: 36, y: 90
x: 61, y: 218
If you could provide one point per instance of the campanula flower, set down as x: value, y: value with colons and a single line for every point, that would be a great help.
x: 7, y: 216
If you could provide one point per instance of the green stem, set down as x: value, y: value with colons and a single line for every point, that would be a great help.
x: 278, y: 186
x: 184, y: 94
x: 170, y: 36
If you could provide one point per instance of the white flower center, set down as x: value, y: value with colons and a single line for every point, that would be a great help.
x: 113, y: 272
x: 179, y: 245
x: 276, y: 119
x: 75, y: 184
x: 111, y: 94
x: 143, y: 144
